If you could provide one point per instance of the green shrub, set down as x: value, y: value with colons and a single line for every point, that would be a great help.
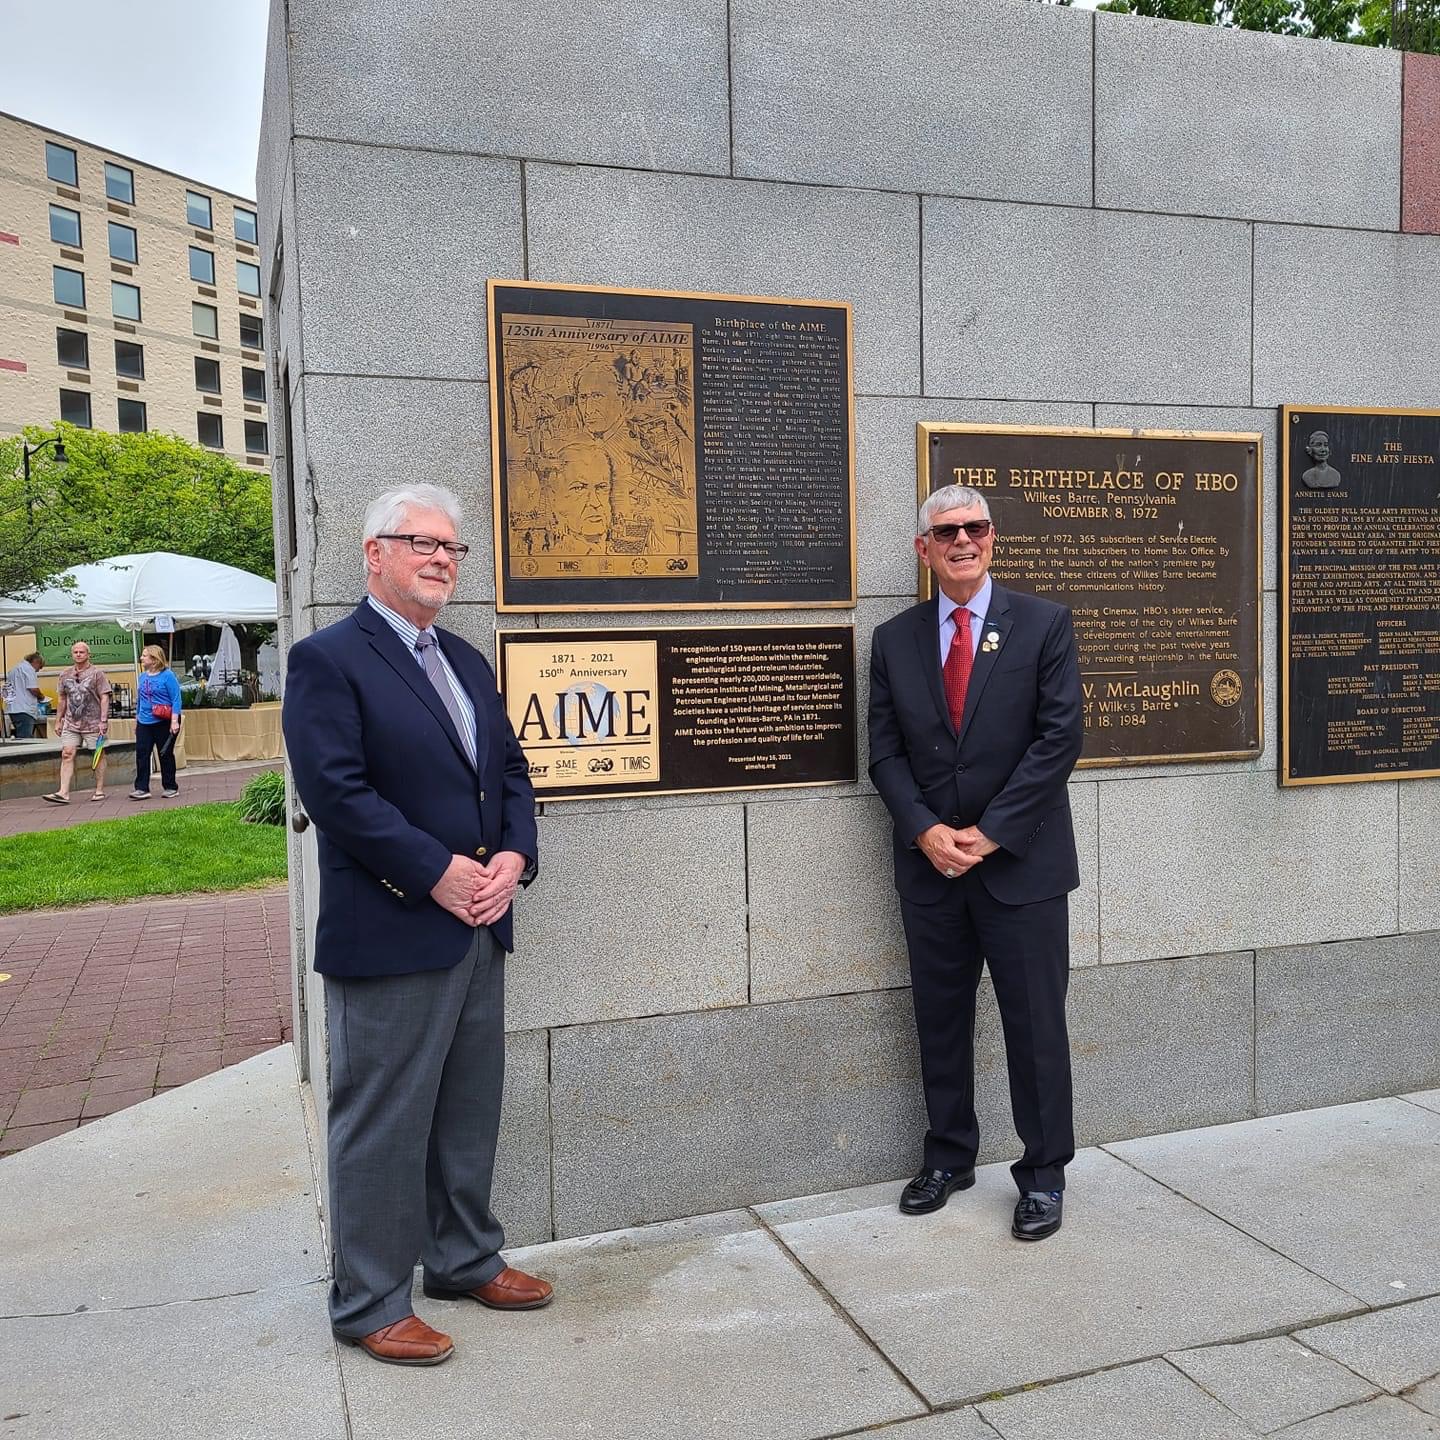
x: 262, y: 801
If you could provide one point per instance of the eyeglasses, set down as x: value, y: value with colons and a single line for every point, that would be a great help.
x: 428, y: 545
x: 947, y: 534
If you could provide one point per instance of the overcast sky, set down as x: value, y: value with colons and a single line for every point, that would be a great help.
x: 175, y: 83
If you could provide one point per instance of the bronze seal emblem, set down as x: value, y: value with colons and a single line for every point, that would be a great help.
x: 1225, y: 687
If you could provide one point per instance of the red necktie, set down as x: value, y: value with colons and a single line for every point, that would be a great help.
x: 957, y: 667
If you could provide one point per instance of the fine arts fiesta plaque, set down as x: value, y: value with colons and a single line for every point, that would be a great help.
x: 1360, y: 594
x: 662, y: 450
x: 620, y: 711
x: 1152, y: 538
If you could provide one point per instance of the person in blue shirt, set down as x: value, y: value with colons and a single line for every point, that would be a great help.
x: 157, y: 723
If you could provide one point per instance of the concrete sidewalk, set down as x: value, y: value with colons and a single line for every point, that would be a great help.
x: 164, y: 1275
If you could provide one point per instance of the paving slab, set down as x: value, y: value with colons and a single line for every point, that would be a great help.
x: 1426, y: 1397
x: 1150, y: 1401
x: 1272, y: 1383
x: 963, y: 1424
x: 1382, y: 1419
x: 700, y: 1328
x: 1396, y: 1348
x: 964, y: 1310
x: 1426, y: 1099
x: 1348, y: 1192
x: 251, y: 1367
x: 203, y: 1191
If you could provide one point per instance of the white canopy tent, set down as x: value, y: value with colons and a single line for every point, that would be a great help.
x: 132, y: 590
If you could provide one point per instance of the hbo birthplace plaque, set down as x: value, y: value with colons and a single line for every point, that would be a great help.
x: 655, y: 450
x: 618, y: 712
x: 1152, y: 538
x: 1360, y: 594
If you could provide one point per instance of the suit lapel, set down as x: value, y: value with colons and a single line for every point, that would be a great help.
x: 389, y: 647
x: 997, y: 625
x: 927, y: 641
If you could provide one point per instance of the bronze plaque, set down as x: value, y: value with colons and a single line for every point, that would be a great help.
x: 1152, y: 538
x: 1360, y: 594
x: 657, y: 450
x: 660, y: 712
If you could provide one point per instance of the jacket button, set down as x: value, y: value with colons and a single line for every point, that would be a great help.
x: 481, y: 850
x: 955, y: 821
x: 959, y: 769
x: 482, y: 797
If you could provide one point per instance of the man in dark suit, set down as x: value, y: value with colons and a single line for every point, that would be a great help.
x: 975, y: 725
x: 404, y: 759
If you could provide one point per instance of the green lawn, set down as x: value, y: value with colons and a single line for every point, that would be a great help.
x: 164, y: 852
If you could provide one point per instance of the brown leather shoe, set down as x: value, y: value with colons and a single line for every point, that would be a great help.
x: 511, y: 1289
x: 407, y: 1342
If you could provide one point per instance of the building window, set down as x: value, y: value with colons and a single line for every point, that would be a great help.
x: 245, y: 226
x: 204, y: 321
x: 75, y: 408
x: 131, y: 416
x: 210, y: 430
x: 119, y: 183
x: 65, y: 226
x: 69, y: 287
x: 253, y: 383
x: 247, y: 277
x: 124, y: 300
x: 72, y: 349
x: 252, y: 332
x: 207, y: 375
x: 123, y: 244
x: 197, y: 210
x: 60, y: 165
x: 257, y: 437
x: 202, y: 265
x: 129, y: 360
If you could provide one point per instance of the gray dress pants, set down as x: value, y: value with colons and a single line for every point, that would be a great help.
x: 417, y: 1064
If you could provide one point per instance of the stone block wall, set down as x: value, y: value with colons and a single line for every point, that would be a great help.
x: 1040, y: 215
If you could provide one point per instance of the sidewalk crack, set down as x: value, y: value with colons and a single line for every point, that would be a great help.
x: 844, y: 1315
x: 162, y: 1304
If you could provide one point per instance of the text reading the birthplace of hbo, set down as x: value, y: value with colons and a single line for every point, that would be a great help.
x: 1152, y: 540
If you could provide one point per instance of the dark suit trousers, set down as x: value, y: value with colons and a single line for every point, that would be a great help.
x: 417, y: 1064
x: 1027, y: 949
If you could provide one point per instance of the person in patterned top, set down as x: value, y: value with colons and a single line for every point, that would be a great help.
x: 84, y: 718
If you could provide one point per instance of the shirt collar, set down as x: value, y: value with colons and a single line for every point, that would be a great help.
x: 978, y: 604
x: 406, y: 629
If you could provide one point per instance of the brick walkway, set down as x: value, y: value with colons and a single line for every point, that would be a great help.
x: 107, y: 1005
x: 199, y: 785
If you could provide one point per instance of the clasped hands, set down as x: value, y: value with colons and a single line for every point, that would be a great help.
x: 952, y: 852
x: 477, y: 893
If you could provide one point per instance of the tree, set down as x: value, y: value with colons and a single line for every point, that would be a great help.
x: 121, y: 494
x: 1362, y: 22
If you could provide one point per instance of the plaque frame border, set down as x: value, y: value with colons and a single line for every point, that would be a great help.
x: 1282, y: 596
x: 503, y: 606
x: 539, y: 635
x: 924, y: 429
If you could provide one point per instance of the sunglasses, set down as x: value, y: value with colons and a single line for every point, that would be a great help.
x: 948, y: 534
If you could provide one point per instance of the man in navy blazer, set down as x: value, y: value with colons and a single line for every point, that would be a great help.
x: 975, y: 726
x: 404, y: 759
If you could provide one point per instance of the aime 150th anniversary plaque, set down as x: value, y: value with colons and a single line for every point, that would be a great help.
x: 619, y: 712
x: 658, y: 450
x: 1360, y: 595
x: 1152, y: 538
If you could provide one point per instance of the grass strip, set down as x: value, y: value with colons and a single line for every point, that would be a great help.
x: 189, y: 850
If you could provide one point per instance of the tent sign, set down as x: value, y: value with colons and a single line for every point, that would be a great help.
x: 109, y: 644
x: 164, y: 624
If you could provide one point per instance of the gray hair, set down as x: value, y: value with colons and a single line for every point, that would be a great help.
x: 389, y: 509
x: 950, y: 497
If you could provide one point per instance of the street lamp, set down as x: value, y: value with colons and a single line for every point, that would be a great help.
x: 28, y: 450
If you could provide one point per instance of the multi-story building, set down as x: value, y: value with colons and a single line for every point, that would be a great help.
x: 130, y: 298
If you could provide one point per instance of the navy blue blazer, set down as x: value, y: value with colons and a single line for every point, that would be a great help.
x: 1006, y: 770
x: 382, y: 772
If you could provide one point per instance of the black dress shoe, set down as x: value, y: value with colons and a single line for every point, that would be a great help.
x: 930, y: 1189
x: 1037, y: 1214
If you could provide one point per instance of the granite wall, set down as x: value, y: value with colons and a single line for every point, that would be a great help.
x: 1040, y: 215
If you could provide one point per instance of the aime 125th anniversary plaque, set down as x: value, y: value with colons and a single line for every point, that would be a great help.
x: 1360, y: 595
x: 1152, y: 538
x: 658, y: 450
x: 618, y: 712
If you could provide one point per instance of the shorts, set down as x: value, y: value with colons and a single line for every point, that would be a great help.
x: 74, y: 740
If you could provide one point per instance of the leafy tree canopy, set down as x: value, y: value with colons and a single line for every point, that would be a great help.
x: 1363, y: 22
x: 122, y: 494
